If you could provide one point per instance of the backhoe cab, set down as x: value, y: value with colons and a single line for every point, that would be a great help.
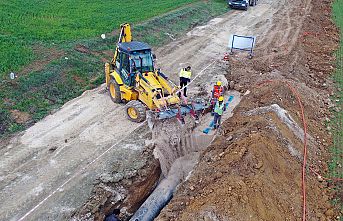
x: 131, y: 77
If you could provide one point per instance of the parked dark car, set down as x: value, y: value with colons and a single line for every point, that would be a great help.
x: 241, y: 4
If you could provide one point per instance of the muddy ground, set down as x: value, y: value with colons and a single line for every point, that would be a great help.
x: 88, y: 158
x: 253, y: 171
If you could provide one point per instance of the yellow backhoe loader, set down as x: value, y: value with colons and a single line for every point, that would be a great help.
x: 132, y: 78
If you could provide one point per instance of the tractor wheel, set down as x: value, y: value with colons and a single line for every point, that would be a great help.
x: 135, y: 111
x: 114, y: 91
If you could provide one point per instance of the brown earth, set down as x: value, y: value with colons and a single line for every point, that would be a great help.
x: 45, y: 56
x: 19, y: 116
x: 250, y: 173
x: 87, y: 158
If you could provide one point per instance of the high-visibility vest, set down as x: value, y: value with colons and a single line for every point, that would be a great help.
x: 217, y: 91
x: 185, y: 74
x: 219, y: 108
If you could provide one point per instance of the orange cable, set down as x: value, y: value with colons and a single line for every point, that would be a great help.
x: 303, y: 177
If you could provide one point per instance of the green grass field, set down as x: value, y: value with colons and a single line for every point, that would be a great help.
x: 32, y: 30
x: 336, y: 163
x: 26, y: 22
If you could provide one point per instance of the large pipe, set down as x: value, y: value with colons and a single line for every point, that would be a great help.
x: 156, y: 201
x: 177, y: 148
x: 164, y: 191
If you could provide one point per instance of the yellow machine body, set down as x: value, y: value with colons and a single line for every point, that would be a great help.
x: 149, y: 87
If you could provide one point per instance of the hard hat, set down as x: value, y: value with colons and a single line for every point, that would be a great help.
x: 221, y: 98
x: 219, y: 83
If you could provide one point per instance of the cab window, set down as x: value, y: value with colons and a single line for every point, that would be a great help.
x: 125, y: 64
x: 142, y: 61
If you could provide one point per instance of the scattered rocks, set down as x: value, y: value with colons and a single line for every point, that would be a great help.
x: 232, y: 85
x: 320, y: 178
x: 52, y: 149
x: 229, y: 138
x: 327, y: 101
x: 247, y: 93
x: 259, y: 165
x: 149, y: 144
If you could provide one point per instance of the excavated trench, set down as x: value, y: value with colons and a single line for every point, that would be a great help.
x: 177, y: 148
x: 169, y: 151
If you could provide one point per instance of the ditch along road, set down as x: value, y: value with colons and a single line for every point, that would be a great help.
x: 253, y: 171
x: 49, y: 171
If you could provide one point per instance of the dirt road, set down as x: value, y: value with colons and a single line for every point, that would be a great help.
x: 49, y: 170
x: 61, y: 155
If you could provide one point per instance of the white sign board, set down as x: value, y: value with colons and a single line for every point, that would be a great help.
x: 242, y: 42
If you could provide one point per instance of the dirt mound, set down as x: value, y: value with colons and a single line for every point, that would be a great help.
x: 253, y: 171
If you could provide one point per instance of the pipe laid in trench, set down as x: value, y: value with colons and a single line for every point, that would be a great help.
x: 177, y: 148
x: 164, y: 191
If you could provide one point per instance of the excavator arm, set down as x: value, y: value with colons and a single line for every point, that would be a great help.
x: 124, y: 36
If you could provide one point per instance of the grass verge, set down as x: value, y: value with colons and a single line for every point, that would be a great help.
x: 34, y: 95
x: 336, y: 164
x: 24, y: 23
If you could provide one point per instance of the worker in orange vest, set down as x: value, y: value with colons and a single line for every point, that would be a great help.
x: 217, y: 91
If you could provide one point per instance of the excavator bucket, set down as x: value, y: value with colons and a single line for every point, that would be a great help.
x: 193, y: 109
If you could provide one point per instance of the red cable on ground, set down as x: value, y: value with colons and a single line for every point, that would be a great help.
x: 303, y: 181
x: 303, y: 174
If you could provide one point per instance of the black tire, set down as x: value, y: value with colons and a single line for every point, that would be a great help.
x: 114, y: 91
x: 138, y: 108
x: 251, y: 2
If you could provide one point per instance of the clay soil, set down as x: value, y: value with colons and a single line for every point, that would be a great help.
x: 249, y: 172
x: 80, y: 162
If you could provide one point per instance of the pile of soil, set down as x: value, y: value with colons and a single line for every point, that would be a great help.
x: 250, y: 172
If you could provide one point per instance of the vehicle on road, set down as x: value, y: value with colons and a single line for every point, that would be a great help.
x: 241, y: 4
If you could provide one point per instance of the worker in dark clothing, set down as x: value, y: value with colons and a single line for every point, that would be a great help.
x: 219, y: 109
x: 113, y: 216
x: 185, y: 77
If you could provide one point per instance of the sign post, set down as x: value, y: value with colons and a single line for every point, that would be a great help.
x: 242, y: 43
